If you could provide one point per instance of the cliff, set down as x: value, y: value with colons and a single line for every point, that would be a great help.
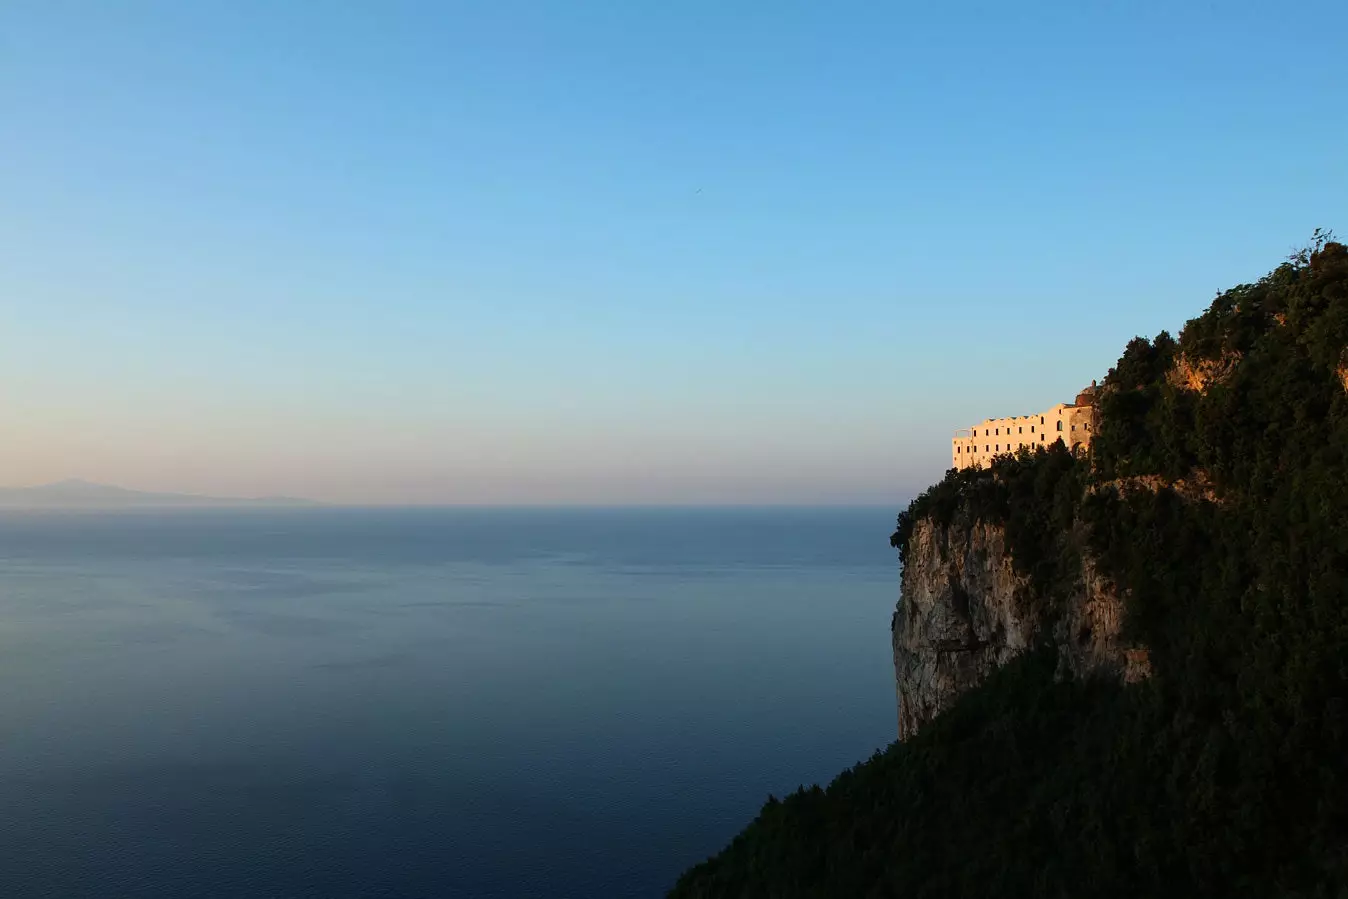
x: 966, y: 611
x: 957, y: 620
x: 1119, y: 672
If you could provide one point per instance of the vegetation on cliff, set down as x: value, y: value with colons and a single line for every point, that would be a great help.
x: 1224, y: 774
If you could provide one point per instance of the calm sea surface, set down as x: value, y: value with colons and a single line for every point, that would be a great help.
x: 423, y: 703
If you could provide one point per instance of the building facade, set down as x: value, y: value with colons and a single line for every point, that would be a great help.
x: 1072, y: 423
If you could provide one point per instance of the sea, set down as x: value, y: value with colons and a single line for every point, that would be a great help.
x: 331, y: 702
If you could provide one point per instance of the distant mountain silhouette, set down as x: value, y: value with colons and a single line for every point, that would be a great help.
x: 77, y: 494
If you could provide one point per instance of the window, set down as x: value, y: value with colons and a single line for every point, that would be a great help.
x: 1074, y: 427
x: 1020, y: 430
x: 1088, y: 426
x: 1060, y: 425
x: 999, y: 432
x: 999, y: 447
x: 1041, y: 438
x: 1041, y: 419
x: 1031, y: 429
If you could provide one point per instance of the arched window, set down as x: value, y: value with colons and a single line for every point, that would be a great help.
x: 1060, y: 425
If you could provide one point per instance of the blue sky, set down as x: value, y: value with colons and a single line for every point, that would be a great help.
x: 619, y: 251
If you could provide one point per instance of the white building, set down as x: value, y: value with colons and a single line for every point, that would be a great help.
x: 1072, y: 423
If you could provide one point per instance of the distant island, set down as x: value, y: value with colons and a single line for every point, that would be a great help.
x: 78, y: 494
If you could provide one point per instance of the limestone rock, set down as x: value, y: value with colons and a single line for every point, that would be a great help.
x: 1199, y: 375
x: 965, y: 611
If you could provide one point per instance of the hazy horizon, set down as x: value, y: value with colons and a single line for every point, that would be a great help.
x: 308, y: 502
x: 531, y: 253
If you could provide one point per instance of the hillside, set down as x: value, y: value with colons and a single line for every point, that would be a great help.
x: 1210, y: 511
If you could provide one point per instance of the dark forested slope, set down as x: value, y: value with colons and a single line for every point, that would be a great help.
x: 1215, y: 499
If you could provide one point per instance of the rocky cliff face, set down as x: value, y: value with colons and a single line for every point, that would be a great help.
x: 965, y: 611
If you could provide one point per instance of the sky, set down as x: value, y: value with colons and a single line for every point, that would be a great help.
x: 710, y: 251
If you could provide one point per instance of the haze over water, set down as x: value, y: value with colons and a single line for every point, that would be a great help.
x: 352, y: 703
